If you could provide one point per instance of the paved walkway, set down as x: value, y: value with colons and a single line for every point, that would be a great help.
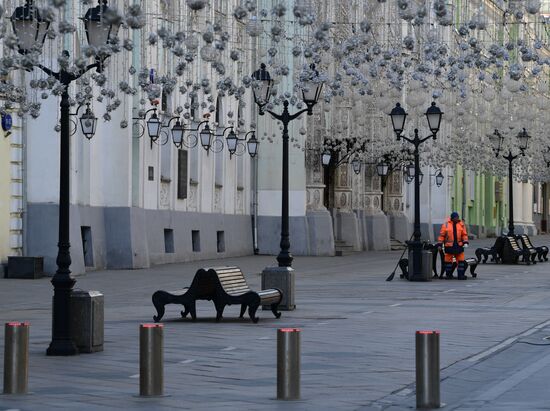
x: 357, y: 341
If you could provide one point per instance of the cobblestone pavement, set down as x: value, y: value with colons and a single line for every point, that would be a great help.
x: 357, y: 339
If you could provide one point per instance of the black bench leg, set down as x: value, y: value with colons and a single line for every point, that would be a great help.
x: 479, y: 254
x: 193, y: 310
x: 187, y: 311
x: 219, y: 310
x: 545, y: 255
x: 472, y: 270
x: 159, y: 301
x: 252, y: 308
x: 276, y: 313
x: 243, y: 310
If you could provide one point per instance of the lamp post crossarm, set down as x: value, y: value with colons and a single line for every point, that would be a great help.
x: 344, y: 159
x: 77, y: 110
x: 223, y: 132
x: 422, y: 140
x: 144, y: 115
x: 511, y: 157
x: 285, y: 116
x: 65, y: 77
x: 198, y: 126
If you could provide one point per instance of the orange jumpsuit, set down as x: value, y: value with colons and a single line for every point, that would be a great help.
x: 447, y: 237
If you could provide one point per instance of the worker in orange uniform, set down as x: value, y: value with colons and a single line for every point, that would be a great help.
x: 455, y: 238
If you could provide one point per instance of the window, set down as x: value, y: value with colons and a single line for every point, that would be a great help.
x: 87, y: 248
x: 151, y: 173
x: 182, y: 174
x: 196, y: 240
x: 220, y: 241
x: 168, y: 240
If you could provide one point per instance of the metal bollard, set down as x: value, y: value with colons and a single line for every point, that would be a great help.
x: 151, y: 360
x: 427, y: 369
x: 288, y: 364
x: 16, y: 358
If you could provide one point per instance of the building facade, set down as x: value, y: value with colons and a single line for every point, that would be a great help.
x: 138, y: 202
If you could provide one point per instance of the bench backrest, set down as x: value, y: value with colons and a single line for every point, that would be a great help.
x: 204, y: 283
x: 527, y: 241
x: 231, y: 279
x: 513, y: 243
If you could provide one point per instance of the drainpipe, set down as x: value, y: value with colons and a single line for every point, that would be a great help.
x: 24, y: 187
x: 255, y: 205
x: 463, y: 194
x: 254, y: 115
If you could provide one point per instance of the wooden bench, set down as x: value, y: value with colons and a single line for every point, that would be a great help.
x: 541, y: 252
x: 483, y: 254
x: 528, y: 254
x: 509, y: 250
x: 224, y: 286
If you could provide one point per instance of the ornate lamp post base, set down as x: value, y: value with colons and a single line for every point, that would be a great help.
x: 415, y: 263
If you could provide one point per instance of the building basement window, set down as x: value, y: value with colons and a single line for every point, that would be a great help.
x: 220, y: 241
x: 168, y: 240
x: 196, y: 240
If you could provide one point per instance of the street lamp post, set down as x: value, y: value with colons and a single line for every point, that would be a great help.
x: 398, y: 117
x: 496, y: 140
x: 28, y: 26
x: 262, y: 93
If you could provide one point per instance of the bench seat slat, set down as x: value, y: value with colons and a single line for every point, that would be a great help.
x: 233, y: 280
x: 235, y: 285
x: 233, y: 289
x: 226, y: 272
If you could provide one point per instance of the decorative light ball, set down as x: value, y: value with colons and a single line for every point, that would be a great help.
x: 512, y: 85
x: 192, y: 42
x: 254, y: 28
x: 196, y: 4
x: 488, y: 94
x: 209, y: 53
x: 532, y: 6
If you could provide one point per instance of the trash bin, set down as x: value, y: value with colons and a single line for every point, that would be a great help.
x: 426, y: 268
x: 87, y: 320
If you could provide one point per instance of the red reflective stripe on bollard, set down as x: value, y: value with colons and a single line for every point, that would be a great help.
x: 151, y: 325
x: 289, y: 330
x: 14, y: 324
x: 428, y: 332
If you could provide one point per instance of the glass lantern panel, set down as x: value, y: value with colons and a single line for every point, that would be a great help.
x: 523, y: 138
x: 252, y: 147
x: 232, y: 143
x: 177, y: 135
x: 434, y: 120
x: 262, y: 92
x: 153, y: 127
x: 206, y: 139
x: 398, y: 121
x: 311, y: 92
x: 100, y: 33
x: 325, y: 158
x: 88, y: 125
x: 26, y: 31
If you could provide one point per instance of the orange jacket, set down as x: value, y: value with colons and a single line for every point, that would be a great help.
x: 446, y: 235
